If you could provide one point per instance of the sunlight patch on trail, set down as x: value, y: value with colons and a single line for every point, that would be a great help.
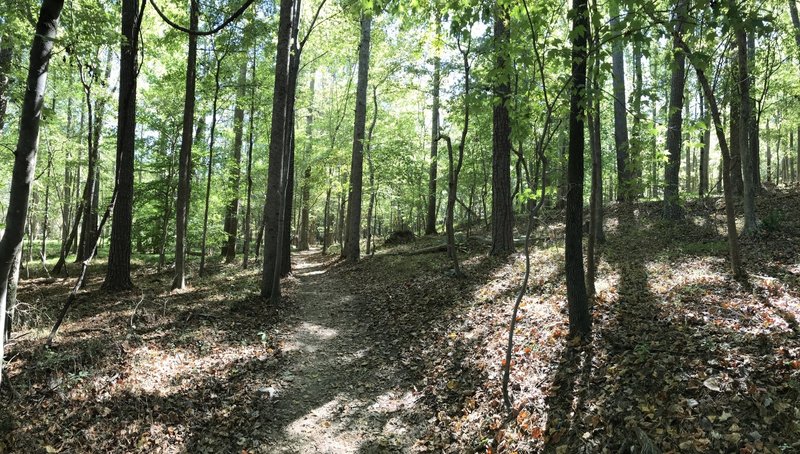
x: 349, y: 425
x: 308, y: 337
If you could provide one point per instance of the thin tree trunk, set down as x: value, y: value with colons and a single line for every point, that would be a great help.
x: 185, y: 157
x: 745, y: 119
x: 730, y: 214
x: 326, y: 219
x: 210, y: 166
x: 169, y: 196
x: 625, y: 175
x: 430, y: 226
x: 596, y: 194
x: 232, y: 210
x: 705, y: 140
x: 6, y: 56
x: 248, y: 208
x: 306, y: 190
x: 371, y: 168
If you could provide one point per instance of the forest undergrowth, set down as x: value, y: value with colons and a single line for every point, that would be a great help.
x: 394, y: 354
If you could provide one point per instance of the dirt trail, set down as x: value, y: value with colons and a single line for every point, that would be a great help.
x: 336, y: 393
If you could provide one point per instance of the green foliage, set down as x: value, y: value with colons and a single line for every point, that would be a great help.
x: 773, y: 221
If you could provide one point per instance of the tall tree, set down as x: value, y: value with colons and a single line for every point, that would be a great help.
x: 235, y: 173
x: 502, y: 210
x: 745, y: 118
x: 580, y: 320
x: 306, y: 190
x: 218, y: 57
x: 185, y: 154
x: 250, y: 139
x: 430, y: 226
x: 672, y: 207
x: 274, y: 205
x: 118, y: 274
x: 352, y: 250
x: 25, y: 154
x: 625, y: 174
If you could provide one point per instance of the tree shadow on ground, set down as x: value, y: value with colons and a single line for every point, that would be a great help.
x: 340, y: 367
x: 675, y: 368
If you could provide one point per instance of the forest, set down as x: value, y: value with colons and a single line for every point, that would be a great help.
x: 400, y: 226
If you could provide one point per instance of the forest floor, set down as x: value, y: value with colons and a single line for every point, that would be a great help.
x: 394, y: 354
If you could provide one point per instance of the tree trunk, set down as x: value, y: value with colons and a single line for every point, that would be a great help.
x: 625, y: 175
x: 745, y: 118
x: 796, y: 23
x: 371, y: 168
x: 596, y: 194
x: 736, y: 145
x: 169, y: 196
x: 637, y: 140
x: 352, y: 249
x: 248, y: 208
x: 25, y: 154
x: 210, y: 164
x: 430, y: 226
x: 285, y: 221
x: 705, y: 140
x: 580, y: 320
x: 306, y: 190
x: 730, y: 214
x: 185, y: 156
x: 232, y: 210
x: 502, y: 210
x: 118, y: 274
x: 754, y: 131
x: 326, y: 219
x: 274, y: 205
x: 672, y: 207
x: 46, y: 221
x: 6, y: 55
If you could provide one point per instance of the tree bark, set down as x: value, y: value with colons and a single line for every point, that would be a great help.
x: 306, y: 190
x: 625, y: 176
x: 232, y: 210
x: 6, y: 55
x: 705, y: 140
x: 352, y: 249
x: 430, y: 226
x: 185, y: 154
x: 25, y: 154
x: 502, y: 210
x: 795, y: 23
x: 274, y: 205
x: 736, y: 145
x: 596, y: 194
x: 672, y: 207
x: 210, y: 164
x: 248, y: 208
x: 637, y: 140
x: 580, y: 320
x: 745, y: 119
x: 118, y: 273
x: 371, y: 168
x: 730, y: 214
